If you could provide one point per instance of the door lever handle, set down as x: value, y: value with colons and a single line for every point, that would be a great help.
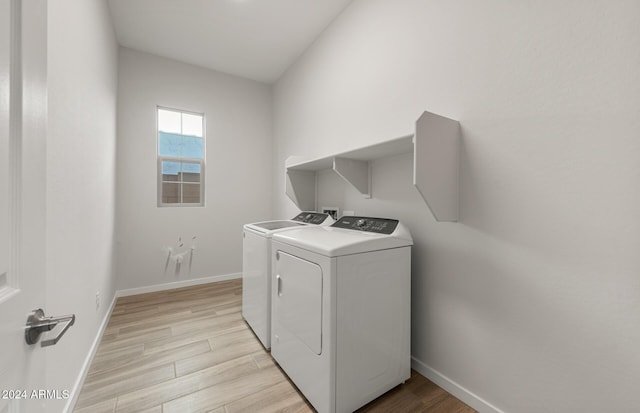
x: 37, y: 324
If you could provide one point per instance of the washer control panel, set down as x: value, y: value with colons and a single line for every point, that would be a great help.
x: 368, y: 224
x: 316, y: 218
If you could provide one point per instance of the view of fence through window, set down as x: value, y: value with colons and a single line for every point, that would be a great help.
x: 180, y: 158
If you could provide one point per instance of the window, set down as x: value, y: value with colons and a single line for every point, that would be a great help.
x: 180, y: 158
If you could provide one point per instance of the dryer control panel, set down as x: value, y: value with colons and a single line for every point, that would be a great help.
x: 368, y: 224
x: 315, y: 218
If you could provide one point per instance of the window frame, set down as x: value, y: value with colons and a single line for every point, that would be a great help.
x: 165, y: 158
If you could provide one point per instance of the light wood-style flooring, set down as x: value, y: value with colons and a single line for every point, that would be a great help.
x: 189, y: 350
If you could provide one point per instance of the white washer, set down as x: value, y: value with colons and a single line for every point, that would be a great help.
x: 256, y: 268
x: 341, y: 310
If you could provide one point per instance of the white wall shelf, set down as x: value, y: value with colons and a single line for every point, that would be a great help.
x: 435, y: 148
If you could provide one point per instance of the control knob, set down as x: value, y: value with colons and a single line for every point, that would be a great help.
x: 361, y: 223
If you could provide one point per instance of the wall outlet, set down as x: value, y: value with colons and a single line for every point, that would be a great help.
x: 97, y: 300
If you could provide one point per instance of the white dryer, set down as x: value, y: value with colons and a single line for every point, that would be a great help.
x: 256, y: 268
x: 341, y: 310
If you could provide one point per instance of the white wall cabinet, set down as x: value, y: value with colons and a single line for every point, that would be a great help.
x: 436, y: 163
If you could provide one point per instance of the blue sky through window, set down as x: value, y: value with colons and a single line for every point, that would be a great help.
x: 182, y: 146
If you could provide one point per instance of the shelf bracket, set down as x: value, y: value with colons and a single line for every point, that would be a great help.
x: 355, y: 172
x: 300, y: 187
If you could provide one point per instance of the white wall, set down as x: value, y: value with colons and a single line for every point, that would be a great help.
x: 81, y: 148
x: 530, y: 302
x: 238, y: 169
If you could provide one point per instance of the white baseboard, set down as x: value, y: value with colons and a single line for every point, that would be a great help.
x: 177, y: 284
x: 454, y: 388
x: 77, y: 386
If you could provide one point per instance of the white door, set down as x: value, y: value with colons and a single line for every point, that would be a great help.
x: 22, y: 199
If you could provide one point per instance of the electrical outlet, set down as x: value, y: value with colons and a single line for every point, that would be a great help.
x: 97, y: 300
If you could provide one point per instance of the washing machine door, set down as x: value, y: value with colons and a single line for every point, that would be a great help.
x: 298, y: 300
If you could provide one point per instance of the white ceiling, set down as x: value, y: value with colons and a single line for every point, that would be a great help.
x: 256, y: 39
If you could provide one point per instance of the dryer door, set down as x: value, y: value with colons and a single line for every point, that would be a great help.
x: 298, y: 299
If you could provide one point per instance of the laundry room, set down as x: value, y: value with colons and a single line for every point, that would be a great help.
x: 149, y: 146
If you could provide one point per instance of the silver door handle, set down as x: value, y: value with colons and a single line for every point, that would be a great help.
x: 279, y: 281
x: 37, y: 324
